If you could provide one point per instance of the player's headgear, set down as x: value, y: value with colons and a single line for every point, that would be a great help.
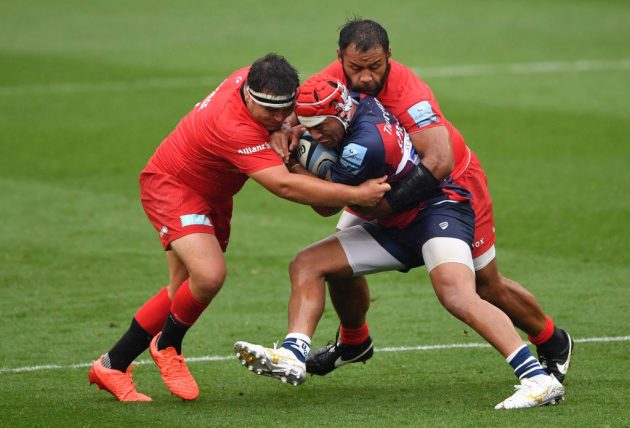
x: 322, y: 96
x: 273, y: 101
x: 272, y: 82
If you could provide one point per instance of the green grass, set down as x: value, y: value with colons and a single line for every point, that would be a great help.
x: 87, y: 91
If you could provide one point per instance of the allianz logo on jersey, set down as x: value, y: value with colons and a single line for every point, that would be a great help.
x: 250, y: 150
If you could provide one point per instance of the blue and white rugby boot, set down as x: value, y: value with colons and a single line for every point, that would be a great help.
x: 533, y: 392
x: 278, y: 363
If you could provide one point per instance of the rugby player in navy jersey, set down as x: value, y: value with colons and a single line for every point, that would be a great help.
x: 436, y: 232
x: 364, y: 64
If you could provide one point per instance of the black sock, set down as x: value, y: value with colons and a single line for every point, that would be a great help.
x: 133, y: 343
x: 557, y: 342
x: 172, y: 334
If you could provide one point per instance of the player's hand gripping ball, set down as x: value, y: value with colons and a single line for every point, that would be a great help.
x: 315, y: 157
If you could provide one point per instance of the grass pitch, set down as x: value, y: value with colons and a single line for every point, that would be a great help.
x: 87, y: 91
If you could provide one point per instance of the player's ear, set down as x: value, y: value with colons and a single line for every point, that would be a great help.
x: 389, y: 53
x: 247, y: 96
x: 339, y: 54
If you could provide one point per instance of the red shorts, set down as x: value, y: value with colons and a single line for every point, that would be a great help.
x: 176, y: 210
x: 474, y: 180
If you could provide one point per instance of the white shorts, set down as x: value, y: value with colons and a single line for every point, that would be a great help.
x: 365, y: 255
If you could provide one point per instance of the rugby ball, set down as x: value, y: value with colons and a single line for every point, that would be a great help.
x: 315, y: 157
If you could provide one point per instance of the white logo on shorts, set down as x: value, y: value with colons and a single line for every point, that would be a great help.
x: 195, y: 219
x: 443, y: 225
x: 163, y: 231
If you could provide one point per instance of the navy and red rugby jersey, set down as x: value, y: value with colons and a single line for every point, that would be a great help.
x: 376, y: 145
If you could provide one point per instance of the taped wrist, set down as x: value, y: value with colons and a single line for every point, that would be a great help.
x: 412, y: 189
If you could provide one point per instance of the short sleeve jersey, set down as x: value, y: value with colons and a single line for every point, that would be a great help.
x: 412, y: 102
x: 217, y: 144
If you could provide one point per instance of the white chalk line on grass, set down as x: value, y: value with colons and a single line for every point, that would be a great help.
x: 463, y: 70
x: 225, y: 358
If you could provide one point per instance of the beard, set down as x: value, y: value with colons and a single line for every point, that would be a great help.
x: 372, y: 90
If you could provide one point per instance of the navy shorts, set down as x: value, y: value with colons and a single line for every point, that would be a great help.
x: 444, y: 218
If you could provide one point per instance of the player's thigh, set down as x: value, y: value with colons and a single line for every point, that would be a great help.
x: 202, y: 256
x: 176, y: 210
x: 442, y: 250
x: 323, y: 258
x: 454, y: 285
x: 475, y: 181
x: 367, y: 252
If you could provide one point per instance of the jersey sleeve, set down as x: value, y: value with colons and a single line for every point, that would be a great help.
x: 249, y: 151
x: 263, y: 159
x: 254, y: 156
x: 412, y: 101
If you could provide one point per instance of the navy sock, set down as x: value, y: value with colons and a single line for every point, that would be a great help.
x: 524, y: 363
x: 299, y: 344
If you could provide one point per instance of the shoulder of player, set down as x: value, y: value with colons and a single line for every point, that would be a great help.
x: 401, y: 71
x: 402, y: 78
x: 333, y: 69
x: 243, y: 132
x: 371, y: 111
x: 235, y: 122
x: 364, y: 132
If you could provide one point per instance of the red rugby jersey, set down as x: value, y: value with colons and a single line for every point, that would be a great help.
x: 217, y: 144
x: 411, y: 100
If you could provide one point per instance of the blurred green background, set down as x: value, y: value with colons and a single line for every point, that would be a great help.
x: 540, y: 91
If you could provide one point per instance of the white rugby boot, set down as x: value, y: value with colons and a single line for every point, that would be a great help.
x: 279, y: 363
x: 532, y: 392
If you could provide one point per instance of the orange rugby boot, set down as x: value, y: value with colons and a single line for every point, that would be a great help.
x: 174, y: 371
x: 117, y: 383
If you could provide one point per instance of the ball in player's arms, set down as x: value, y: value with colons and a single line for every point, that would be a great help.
x: 315, y: 157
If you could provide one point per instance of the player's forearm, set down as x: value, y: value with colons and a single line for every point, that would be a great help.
x: 296, y: 168
x: 313, y: 191
x: 316, y: 192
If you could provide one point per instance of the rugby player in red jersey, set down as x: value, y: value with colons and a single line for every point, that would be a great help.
x: 187, y: 189
x: 436, y: 231
x: 364, y: 63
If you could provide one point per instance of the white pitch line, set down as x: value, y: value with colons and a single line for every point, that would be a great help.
x: 469, y: 70
x: 486, y: 345
x: 220, y: 358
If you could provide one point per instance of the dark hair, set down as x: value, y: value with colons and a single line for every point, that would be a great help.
x: 364, y: 33
x: 273, y: 73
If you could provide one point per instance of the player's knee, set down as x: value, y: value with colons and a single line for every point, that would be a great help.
x: 458, y: 307
x: 304, y: 264
x: 209, y: 282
